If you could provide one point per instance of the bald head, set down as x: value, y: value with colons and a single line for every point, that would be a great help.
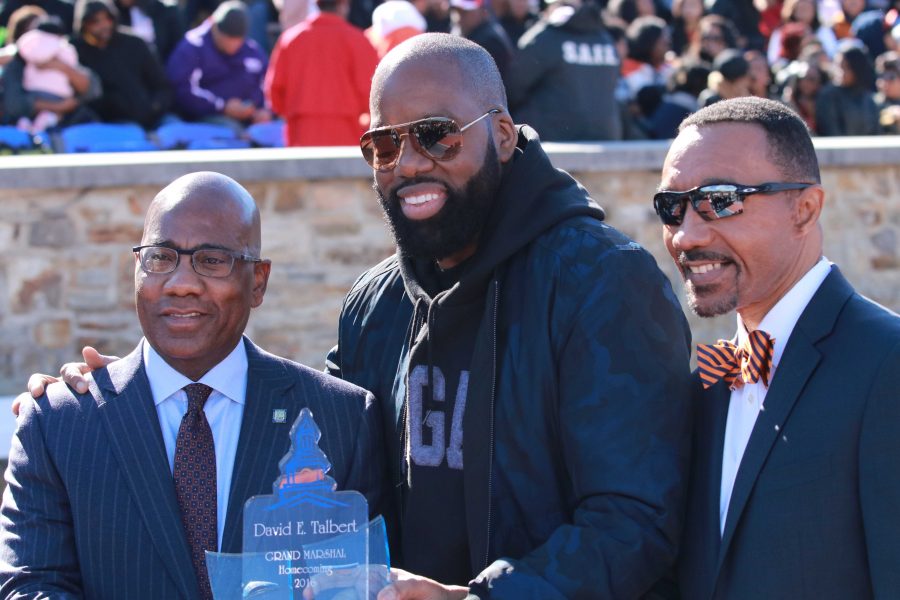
x: 439, y: 60
x: 199, y: 195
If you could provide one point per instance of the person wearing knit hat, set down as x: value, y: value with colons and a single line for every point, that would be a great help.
x: 217, y: 71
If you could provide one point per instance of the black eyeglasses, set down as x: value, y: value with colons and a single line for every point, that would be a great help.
x: 438, y: 138
x: 715, y: 201
x: 208, y: 262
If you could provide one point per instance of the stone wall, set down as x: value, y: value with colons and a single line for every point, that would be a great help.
x: 68, y: 223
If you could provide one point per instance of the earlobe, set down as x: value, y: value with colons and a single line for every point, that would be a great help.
x: 808, y: 208
x: 506, y: 136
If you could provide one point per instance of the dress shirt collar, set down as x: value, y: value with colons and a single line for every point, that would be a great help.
x: 229, y: 377
x: 779, y: 322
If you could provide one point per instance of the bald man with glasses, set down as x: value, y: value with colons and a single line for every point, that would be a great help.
x: 118, y: 491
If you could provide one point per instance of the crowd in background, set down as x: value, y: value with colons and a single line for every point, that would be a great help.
x: 573, y: 69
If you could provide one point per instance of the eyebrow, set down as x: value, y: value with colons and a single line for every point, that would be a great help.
x: 174, y: 246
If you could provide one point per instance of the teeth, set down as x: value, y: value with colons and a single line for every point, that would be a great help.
x: 187, y: 316
x: 421, y: 199
x: 705, y: 268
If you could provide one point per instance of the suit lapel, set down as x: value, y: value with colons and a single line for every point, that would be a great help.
x: 797, y: 364
x: 262, y: 442
x: 129, y: 415
x: 709, y: 435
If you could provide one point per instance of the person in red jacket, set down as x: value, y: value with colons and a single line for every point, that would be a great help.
x: 319, y: 78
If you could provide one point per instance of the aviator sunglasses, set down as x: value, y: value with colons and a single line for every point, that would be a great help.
x: 715, y: 201
x: 438, y: 138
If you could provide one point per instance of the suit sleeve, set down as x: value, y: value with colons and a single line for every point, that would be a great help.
x: 624, y: 427
x: 38, y: 557
x: 879, y: 487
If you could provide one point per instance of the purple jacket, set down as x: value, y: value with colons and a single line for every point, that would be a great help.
x: 204, y: 78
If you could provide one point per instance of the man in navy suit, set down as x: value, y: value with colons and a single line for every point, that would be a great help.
x: 795, y: 489
x: 91, y: 507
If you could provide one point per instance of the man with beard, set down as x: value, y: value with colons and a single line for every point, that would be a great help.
x: 794, y: 489
x: 533, y: 361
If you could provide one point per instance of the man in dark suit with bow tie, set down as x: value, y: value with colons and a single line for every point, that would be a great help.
x: 117, y: 492
x: 796, y: 471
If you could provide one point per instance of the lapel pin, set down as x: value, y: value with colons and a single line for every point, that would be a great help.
x: 279, y: 415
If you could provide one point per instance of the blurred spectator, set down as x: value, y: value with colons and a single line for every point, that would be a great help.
x: 22, y: 20
x: 217, y: 71
x: 157, y: 22
x: 843, y: 20
x: 887, y: 71
x: 769, y: 16
x: 56, y: 8
x: 717, y: 34
x: 624, y: 12
x: 803, y: 12
x: 870, y: 28
x: 20, y: 104
x: 436, y: 13
x: 792, y: 38
x: 516, y: 17
x: 292, y: 12
x: 563, y: 79
x: 472, y: 20
x: 760, y: 75
x: 319, y: 79
x: 685, y: 85
x: 730, y: 78
x: 847, y: 107
x: 801, y: 83
x: 648, y: 44
x: 686, y: 15
x: 48, y: 56
x: 744, y: 17
x: 393, y: 22
x: 134, y: 82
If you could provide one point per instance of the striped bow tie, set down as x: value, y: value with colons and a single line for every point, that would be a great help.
x: 723, y: 360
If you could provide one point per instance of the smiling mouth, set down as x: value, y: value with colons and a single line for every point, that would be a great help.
x: 185, y: 315
x: 421, y: 199
x: 701, y: 269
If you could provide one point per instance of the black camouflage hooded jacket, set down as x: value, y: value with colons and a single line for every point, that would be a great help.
x: 576, y: 432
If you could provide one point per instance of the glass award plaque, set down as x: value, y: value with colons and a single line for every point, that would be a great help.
x: 306, y: 540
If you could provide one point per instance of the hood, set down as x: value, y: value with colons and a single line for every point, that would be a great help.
x: 85, y: 9
x: 586, y: 18
x: 533, y: 197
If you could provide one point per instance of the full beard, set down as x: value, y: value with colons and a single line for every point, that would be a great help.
x: 459, y: 222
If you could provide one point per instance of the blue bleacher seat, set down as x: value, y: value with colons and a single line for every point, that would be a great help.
x: 267, y: 135
x: 14, y: 140
x: 196, y: 135
x: 218, y: 144
x: 105, y: 137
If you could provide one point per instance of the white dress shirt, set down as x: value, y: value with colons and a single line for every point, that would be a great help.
x: 747, y: 401
x: 224, y: 410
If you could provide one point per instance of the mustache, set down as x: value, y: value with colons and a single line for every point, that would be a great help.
x: 698, y: 255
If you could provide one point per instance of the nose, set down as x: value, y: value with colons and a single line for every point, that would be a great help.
x: 694, y: 232
x: 411, y: 162
x: 184, y: 280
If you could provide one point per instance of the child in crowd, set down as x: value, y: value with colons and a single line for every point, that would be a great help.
x: 40, y: 48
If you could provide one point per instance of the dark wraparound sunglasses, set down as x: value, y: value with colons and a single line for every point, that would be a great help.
x: 715, y: 201
x: 438, y: 138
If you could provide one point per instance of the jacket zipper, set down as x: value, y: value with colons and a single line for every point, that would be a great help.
x: 487, y: 548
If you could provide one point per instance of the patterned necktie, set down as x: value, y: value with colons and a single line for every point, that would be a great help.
x: 195, y: 482
x: 723, y: 360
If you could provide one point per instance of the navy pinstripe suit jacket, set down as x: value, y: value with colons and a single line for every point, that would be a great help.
x: 90, y: 509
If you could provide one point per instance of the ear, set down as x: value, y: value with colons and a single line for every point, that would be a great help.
x: 808, y: 208
x: 261, y: 272
x: 505, y: 136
